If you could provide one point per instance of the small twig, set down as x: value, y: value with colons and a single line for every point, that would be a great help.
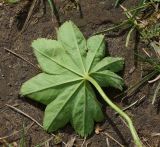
x: 124, y: 121
x: 134, y: 103
x: 146, y: 52
x: 126, y: 11
x: 83, y: 142
x: 131, y: 105
x: 154, y: 80
x: 3, y: 108
x: 87, y: 143
x: 156, y: 93
x: 109, y: 136
x: 155, y: 134
x: 71, y: 141
x: 107, y: 142
x: 145, y: 142
x: 19, y: 56
x: 132, y: 89
x: 29, y: 16
x: 21, y: 112
x: 31, y: 118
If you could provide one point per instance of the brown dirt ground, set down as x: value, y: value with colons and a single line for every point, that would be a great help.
x: 97, y: 14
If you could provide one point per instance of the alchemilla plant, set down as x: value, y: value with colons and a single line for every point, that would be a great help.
x: 70, y: 66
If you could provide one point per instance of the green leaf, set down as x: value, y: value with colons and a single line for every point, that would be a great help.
x: 58, y: 112
x: 53, y: 58
x: 108, y: 78
x: 74, y: 43
x: 12, y: 1
x: 156, y: 0
x: 63, y: 84
x: 86, y: 110
x: 109, y: 63
x: 96, y: 51
x: 45, y: 88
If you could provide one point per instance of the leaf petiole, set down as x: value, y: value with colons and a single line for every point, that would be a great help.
x: 117, y: 109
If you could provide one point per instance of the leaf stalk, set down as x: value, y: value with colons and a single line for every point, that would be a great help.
x: 117, y: 109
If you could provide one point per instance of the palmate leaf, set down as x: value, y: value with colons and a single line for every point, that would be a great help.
x: 63, y: 85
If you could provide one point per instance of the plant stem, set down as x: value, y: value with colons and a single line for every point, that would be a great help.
x: 117, y: 109
x: 54, y: 11
x: 129, y: 35
x: 113, y: 28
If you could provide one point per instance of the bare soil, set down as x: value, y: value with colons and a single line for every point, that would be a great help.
x: 96, y: 15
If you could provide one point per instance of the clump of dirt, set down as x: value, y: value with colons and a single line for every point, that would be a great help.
x: 15, y: 48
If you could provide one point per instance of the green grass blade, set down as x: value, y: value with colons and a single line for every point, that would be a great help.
x: 129, y: 35
x: 156, y: 93
x: 54, y: 10
x: 22, y: 140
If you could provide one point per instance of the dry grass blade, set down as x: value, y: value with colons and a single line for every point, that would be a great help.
x: 126, y: 11
x: 19, y: 56
x: 156, y: 93
x: 156, y: 47
x: 107, y: 142
x: 145, y: 142
x: 70, y: 143
x: 144, y: 50
x: 124, y: 122
x: 135, y: 87
x: 109, y: 136
x: 29, y: 15
x: 21, y: 112
x: 83, y: 142
x: 154, y: 80
x: 131, y: 105
x: 155, y: 134
x: 31, y: 118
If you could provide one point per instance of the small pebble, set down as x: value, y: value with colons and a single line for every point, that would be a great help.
x: 11, y: 94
